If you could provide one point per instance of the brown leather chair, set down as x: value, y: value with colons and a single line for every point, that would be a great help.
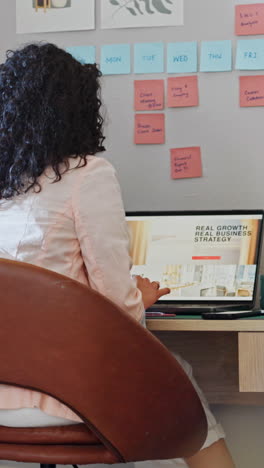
x: 65, y: 340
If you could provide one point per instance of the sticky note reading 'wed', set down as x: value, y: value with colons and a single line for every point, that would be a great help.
x: 250, y: 54
x: 149, y: 129
x: 250, y: 19
x: 216, y: 56
x: 85, y: 54
x: 115, y: 59
x: 149, y: 57
x: 182, y: 57
x: 183, y: 91
x: 251, y: 91
x: 148, y: 95
x: 186, y: 162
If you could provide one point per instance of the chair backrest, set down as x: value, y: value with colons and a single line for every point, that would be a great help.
x: 67, y: 341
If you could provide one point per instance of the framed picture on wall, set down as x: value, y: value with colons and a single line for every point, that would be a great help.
x: 36, y: 16
x: 143, y: 13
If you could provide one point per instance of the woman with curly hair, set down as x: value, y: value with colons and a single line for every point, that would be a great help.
x: 61, y: 207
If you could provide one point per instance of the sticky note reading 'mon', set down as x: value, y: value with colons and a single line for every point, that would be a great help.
x: 250, y: 54
x: 216, y: 56
x: 183, y: 91
x: 115, y: 59
x: 186, y: 162
x: 250, y: 19
x: 149, y: 129
x: 251, y: 91
x: 182, y: 57
x: 85, y: 54
x: 148, y: 95
x: 149, y: 57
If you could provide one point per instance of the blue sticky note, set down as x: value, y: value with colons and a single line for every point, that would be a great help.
x: 250, y: 54
x: 115, y: 59
x: 182, y: 57
x: 149, y: 57
x: 216, y: 56
x: 85, y: 54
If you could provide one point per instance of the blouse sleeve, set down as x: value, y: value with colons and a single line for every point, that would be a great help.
x: 102, y: 233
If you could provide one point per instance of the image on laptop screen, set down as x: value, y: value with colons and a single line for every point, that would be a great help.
x: 206, y: 256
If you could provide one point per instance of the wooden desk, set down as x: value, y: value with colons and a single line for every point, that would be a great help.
x: 227, y: 355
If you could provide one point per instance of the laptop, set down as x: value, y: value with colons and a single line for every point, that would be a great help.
x: 209, y: 259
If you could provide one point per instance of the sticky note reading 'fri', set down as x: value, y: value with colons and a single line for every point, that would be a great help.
x: 250, y: 54
x: 182, y: 57
x: 148, y: 95
x: 250, y: 19
x: 115, y: 59
x: 251, y: 91
x: 186, y: 162
x: 216, y: 56
x: 183, y: 91
x: 85, y: 54
x: 149, y: 129
x: 149, y: 57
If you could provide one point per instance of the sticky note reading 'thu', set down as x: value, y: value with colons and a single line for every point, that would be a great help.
x: 149, y: 95
x: 251, y: 91
x: 149, y: 129
x: 186, y: 162
x: 183, y: 91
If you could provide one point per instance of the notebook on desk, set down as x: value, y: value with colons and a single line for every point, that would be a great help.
x: 208, y: 259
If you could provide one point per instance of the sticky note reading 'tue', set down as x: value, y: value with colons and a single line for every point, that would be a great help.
x: 250, y: 19
x: 183, y: 91
x: 251, y: 91
x: 149, y: 129
x: 149, y: 95
x: 186, y: 162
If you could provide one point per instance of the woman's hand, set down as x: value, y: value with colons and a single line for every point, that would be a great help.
x: 150, y: 291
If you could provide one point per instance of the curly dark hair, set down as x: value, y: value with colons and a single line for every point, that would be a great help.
x: 49, y: 111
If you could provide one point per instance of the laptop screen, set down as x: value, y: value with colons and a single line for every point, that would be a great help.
x: 200, y: 256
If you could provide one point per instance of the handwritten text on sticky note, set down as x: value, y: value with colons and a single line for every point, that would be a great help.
x: 216, y: 56
x: 182, y: 57
x: 149, y: 57
x: 149, y: 129
x: 251, y: 91
x: 250, y: 54
x: 186, y: 162
x: 183, y: 91
x: 250, y: 19
x: 148, y: 95
x: 115, y: 59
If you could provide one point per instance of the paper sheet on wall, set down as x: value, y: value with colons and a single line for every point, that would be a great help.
x: 183, y: 91
x: 148, y: 95
x: 149, y: 57
x: 149, y: 129
x: 249, y: 19
x: 182, y: 57
x: 115, y: 59
x: 250, y: 54
x: 186, y: 162
x: 216, y: 56
x: 251, y: 91
x: 135, y: 14
x: 85, y: 54
x: 61, y: 15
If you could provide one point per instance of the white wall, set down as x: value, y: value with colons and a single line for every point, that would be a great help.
x: 232, y: 149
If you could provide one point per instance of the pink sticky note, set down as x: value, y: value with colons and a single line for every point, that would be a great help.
x: 149, y: 129
x: 148, y: 95
x: 251, y: 90
x: 186, y: 162
x: 250, y: 19
x: 183, y: 91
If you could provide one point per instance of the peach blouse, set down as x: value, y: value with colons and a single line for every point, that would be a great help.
x: 75, y: 227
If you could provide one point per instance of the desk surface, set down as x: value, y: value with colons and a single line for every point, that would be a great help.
x: 196, y: 323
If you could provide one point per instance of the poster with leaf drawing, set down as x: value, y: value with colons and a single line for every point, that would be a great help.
x: 140, y: 13
x: 36, y: 16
